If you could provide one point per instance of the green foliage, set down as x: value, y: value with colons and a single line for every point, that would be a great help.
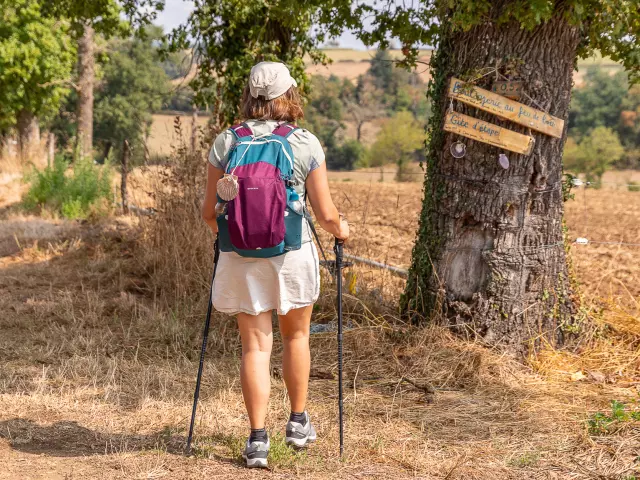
x: 608, y: 26
x: 594, y: 154
x: 281, y: 454
x: 346, y: 156
x: 601, y: 423
x: 527, y: 459
x: 598, y: 103
x: 606, y: 100
x: 235, y: 34
x: 333, y: 100
x: 629, y: 127
x: 382, y: 71
x: 324, y: 117
x: 133, y: 86
x: 400, y: 141
x: 105, y: 15
x: 400, y: 89
x: 177, y: 66
x: 633, y: 186
x: 36, y: 61
x: 85, y: 192
x: 326, y: 99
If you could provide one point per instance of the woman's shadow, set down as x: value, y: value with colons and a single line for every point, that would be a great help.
x: 69, y: 439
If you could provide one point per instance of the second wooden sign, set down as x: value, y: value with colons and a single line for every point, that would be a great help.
x: 488, y: 133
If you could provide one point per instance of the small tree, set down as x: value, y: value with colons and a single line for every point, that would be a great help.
x: 400, y: 141
x: 366, y: 103
x: 597, y: 103
x: 345, y: 156
x: 594, y: 154
x: 134, y: 85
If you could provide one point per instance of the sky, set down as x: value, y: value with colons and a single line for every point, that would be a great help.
x: 176, y: 12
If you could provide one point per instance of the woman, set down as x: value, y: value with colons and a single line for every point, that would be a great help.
x: 251, y: 288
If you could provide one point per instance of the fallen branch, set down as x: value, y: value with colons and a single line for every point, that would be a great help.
x: 397, y: 270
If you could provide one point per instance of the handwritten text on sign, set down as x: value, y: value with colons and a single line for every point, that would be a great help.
x: 505, y: 108
x: 488, y: 133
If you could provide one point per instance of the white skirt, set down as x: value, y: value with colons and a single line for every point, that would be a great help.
x: 256, y: 285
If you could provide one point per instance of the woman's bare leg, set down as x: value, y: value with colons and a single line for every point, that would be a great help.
x: 255, y: 375
x: 296, y: 358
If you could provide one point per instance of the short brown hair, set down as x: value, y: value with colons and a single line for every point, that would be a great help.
x: 287, y: 107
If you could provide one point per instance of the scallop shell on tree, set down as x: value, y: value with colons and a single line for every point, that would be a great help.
x: 227, y: 187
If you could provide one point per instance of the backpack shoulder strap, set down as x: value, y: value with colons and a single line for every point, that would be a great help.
x: 241, y: 130
x: 285, y: 129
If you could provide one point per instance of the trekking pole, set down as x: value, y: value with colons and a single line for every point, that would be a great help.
x: 205, y: 336
x: 337, y: 248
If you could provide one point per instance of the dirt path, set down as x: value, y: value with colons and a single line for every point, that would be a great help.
x: 96, y: 380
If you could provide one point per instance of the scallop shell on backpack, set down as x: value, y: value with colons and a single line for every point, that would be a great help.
x: 227, y: 187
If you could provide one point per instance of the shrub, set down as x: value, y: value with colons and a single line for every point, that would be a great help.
x: 633, y: 186
x: 594, y: 154
x: 345, y: 156
x: 400, y: 141
x: 84, y: 192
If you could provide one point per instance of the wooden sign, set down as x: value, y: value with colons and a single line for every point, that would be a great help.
x: 505, y: 108
x: 488, y: 133
x: 507, y: 88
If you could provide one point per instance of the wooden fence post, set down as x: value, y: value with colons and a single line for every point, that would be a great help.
x: 194, y: 129
x: 123, y: 181
x: 51, y: 148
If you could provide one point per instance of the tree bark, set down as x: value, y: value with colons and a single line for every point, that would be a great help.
x: 123, y: 181
x: 489, y: 257
x: 86, y: 78
x: 51, y: 148
x: 28, y: 134
x: 106, y: 151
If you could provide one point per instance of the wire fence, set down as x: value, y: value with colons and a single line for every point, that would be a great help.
x: 405, y: 224
x: 374, y: 255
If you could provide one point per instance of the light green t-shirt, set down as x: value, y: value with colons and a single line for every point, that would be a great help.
x: 307, y: 151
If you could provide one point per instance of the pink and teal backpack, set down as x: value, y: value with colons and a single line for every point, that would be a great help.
x: 265, y: 218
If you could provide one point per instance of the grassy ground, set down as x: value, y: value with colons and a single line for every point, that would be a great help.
x: 96, y: 374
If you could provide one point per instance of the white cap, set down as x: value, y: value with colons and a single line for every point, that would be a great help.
x: 270, y: 79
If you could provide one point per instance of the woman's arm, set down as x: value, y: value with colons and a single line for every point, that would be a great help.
x: 210, y: 197
x: 325, y: 211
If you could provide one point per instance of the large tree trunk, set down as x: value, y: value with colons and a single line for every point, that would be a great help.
x: 489, y: 258
x: 86, y: 77
x: 28, y: 135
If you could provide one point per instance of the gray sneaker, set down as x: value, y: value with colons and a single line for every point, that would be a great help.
x: 299, y: 436
x: 255, y: 454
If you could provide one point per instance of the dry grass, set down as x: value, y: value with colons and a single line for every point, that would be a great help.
x: 101, y: 330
